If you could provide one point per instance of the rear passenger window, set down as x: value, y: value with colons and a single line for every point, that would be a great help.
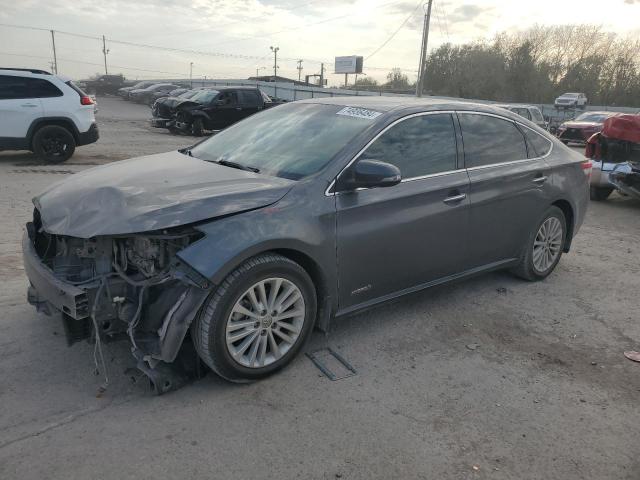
x: 538, y: 145
x: 249, y: 98
x: 13, y: 87
x: 42, y: 88
x: 418, y: 146
x: 488, y: 140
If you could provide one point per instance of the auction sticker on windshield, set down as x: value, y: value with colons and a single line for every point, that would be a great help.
x: 359, y: 113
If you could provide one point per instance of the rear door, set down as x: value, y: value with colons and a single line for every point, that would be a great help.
x: 395, y: 238
x: 18, y: 107
x: 509, y: 187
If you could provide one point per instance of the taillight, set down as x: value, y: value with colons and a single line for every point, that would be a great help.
x: 586, y: 167
x: 86, y: 100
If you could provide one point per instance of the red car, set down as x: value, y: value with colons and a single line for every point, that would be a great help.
x: 581, y: 129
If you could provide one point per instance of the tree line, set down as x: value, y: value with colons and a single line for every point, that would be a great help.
x: 535, y: 66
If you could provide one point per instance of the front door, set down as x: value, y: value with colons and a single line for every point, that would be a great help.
x: 226, y: 110
x: 396, y: 238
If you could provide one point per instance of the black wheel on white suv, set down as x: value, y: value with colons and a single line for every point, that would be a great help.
x: 544, y: 246
x: 53, y: 143
x: 257, y: 320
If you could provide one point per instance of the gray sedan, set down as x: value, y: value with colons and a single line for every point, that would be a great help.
x: 297, y: 215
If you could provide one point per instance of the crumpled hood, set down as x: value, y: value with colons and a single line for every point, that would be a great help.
x: 151, y: 193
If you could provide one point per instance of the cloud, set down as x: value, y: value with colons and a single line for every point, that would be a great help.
x: 468, y: 13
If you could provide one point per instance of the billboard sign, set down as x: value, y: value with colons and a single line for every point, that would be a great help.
x: 351, y: 64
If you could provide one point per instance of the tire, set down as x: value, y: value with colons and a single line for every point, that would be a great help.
x: 53, y: 143
x: 600, y: 194
x: 197, y: 127
x: 566, y: 142
x: 527, y: 267
x: 210, y: 329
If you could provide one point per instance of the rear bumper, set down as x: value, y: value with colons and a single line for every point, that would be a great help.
x: 90, y: 136
x: 46, y: 290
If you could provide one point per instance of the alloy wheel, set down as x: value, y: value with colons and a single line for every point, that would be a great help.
x: 547, y: 244
x: 265, y: 322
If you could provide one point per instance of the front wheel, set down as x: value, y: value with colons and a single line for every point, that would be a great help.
x: 257, y: 320
x: 544, y: 246
x: 197, y: 127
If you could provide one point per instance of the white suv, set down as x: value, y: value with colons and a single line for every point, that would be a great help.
x: 571, y: 100
x: 44, y: 113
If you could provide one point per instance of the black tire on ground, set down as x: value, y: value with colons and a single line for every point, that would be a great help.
x: 208, y: 331
x: 197, y: 127
x: 525, y: 268
x: 174, y: 130
x: 600, y: 194
x: 53, y: 143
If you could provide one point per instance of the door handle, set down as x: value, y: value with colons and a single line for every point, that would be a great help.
x: 238, y: 108
x: 540, y: 180
x: 28, y: 105
x: 455, y: 199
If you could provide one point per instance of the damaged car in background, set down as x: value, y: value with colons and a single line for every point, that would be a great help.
x: 238, y: 246
x: 615, y: 153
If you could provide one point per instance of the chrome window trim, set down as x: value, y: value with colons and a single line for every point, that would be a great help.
x: 328, y: 193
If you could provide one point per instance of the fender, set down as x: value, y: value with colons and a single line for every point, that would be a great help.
x: 62, y: 121
x: 281, y: 227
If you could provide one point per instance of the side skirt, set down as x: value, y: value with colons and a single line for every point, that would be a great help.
x: 451, y: 278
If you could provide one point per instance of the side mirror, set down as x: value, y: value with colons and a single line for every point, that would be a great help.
x: 369, y: 174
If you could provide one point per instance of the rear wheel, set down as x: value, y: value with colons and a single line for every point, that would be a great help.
x: 54, y: 144
x: 600, y: 194
x: 257, y: 320
x: 544, y: 246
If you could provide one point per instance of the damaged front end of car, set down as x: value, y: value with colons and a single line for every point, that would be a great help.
x: 121, y: 286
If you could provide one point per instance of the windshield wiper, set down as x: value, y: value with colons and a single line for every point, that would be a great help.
x: 186, y: 151
x: 239, y: 166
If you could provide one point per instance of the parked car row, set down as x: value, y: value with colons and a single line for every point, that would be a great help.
x: 148, y: 92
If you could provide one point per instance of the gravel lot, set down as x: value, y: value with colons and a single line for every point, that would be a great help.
x: 488, y: 378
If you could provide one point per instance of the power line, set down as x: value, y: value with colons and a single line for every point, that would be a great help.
x: 384, y: 44
x: 190, y: 51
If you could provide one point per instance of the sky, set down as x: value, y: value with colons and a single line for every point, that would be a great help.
x: 231, y: 38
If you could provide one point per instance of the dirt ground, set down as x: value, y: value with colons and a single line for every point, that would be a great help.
x: 488, y: 378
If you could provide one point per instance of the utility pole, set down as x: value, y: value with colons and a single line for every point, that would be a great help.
x: 258, y: 70
x: 275, y: 70
x: 299, y: 69
x: 423, y: 51
x: 104, y: 52
x: 55, y: 58
x: 190, y: 74
x: 322, y: 75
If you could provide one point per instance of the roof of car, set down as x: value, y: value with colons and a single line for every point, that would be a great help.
x: 386, y: 104
x: 513, y: 105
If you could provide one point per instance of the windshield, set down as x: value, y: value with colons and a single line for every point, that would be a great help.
x: 592, y: 117
x: 569, y: 95
x: 290, y: 141
x: 204, y: 96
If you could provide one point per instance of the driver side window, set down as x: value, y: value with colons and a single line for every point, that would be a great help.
x: 418, y: 146
x: 227, y: 98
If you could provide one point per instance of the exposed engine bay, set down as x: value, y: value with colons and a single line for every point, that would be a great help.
x: 129, y: 286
